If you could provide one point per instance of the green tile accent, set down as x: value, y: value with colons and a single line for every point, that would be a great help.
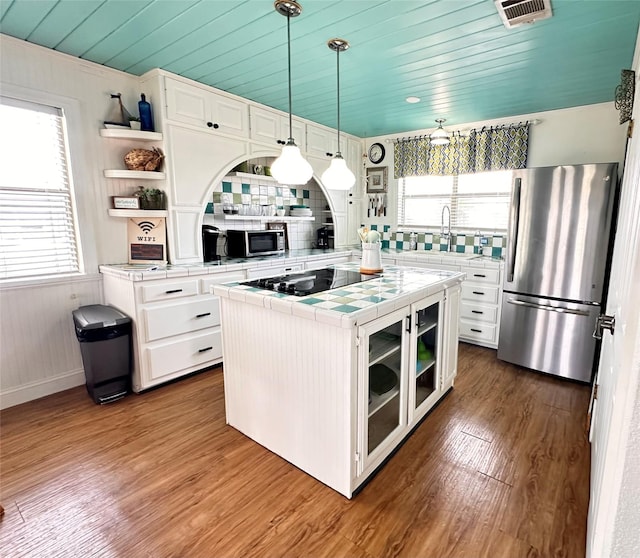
x: 399, y: 244
x: 237, y: 198
x: 468, y: 240
x: 293, y: 192
x: 217, y: 197
x: 305, y: 194
x: 246, y: 188
x: 209, y: 208
x: 226, y: 187
x: 346, y: 308
x: 496, y: 252
x: 310, y: 301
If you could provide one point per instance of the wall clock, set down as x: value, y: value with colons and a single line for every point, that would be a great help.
x: 376, y: 153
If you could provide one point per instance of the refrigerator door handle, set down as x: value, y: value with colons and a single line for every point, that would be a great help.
x: 512, y: 233
x: 547, y: 307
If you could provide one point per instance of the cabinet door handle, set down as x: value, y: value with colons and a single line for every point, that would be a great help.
x: 205, y: 349
x: 203, y: 315
x: 477, y: 312
x: 476, y: 330
x: 409, y: 323
x: 213, y: 125
x: 478, y: 292
x: 172, y: 291
x: 479, y: 275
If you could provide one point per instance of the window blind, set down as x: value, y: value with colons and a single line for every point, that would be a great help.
x: 37, y: 225
x: 478, y: 201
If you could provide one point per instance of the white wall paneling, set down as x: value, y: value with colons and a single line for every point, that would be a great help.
x: 40, y: 353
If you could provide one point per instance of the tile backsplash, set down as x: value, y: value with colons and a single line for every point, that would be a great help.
x: 487, y: 244
x: 252, y: 190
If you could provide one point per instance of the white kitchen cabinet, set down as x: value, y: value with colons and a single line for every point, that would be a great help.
x: 176, y: 324
x: 206, y: 109
x: 480, y: 299
x: 321, y: 142
x: 404, y: 365
x: 311, y: 405
x: 272, y: 127
x: 273, y: 271
x: 324, y: 262
x: 480, y: 306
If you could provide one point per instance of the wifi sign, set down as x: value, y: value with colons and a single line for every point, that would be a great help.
x: 146, y: 226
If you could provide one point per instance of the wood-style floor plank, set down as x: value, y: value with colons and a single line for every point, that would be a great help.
x: 499, y: 469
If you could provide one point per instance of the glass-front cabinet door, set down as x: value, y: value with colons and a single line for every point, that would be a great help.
x: 382, y: 386
x: 425, y: 355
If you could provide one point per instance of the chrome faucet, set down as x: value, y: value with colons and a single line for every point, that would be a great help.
x: 446, y: 235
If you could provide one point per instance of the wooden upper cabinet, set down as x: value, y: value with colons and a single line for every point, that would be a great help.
x: 192, y: 105
x: 272, y: 127
x: 322, y: 142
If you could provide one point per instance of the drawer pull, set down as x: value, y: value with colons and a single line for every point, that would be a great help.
x: 478, y: 292
x: 477, y: 312
x: 205, y: 349
x: 476, y: 330
x: 203, y: 315
x: 172, y: 291
x: 479, y: 275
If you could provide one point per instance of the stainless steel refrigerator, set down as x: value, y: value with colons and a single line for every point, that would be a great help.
x: 554, y: 278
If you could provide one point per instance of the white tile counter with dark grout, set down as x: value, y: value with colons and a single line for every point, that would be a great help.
x: 333, y: 381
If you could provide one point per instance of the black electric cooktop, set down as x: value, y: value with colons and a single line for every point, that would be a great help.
x: 310, y: 282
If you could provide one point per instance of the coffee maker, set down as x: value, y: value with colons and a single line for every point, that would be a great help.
x: 210, y: 243
x: 322, y: 238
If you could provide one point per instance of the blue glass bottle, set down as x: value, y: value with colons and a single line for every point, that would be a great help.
x: 146, y: 119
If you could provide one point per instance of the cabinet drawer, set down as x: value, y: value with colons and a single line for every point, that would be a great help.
x: 479, y: 312
x: 480, y: 293
x: 218, y: 278
x: 175, y: 319
x: 480, y: 275
x: 168, y: 290
x: 172, y: 357
x: 481, y: 332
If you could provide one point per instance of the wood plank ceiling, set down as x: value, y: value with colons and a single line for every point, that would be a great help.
x: 456, y: 55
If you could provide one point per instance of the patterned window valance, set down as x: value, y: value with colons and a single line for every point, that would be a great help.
x: 487, y: 149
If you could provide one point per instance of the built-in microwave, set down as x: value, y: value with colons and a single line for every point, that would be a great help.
x: 245, y: 244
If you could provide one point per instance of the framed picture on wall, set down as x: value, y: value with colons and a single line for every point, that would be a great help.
x: 376, y: 180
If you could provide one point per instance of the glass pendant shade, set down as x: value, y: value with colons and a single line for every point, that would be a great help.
x: 338, y: 176
x: 439, y: 136
x: 291, y: 168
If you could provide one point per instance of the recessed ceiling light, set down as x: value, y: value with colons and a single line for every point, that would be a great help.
x: 413, y: 99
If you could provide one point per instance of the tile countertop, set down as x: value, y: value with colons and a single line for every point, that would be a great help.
x: 147, y: 272
x: 353, y: 305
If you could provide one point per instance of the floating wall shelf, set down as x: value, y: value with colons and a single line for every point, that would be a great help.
x: 130, y: 134
x: 138, y: 212
x: 136, y: 175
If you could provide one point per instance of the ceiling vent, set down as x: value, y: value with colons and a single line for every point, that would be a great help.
x: 517, y: 12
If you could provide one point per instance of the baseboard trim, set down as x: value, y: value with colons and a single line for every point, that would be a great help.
x: 41, y: 388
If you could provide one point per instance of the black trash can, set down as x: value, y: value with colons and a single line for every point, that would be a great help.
x: 104, y: 334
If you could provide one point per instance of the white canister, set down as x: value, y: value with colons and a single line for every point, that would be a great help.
x: 371, y: 258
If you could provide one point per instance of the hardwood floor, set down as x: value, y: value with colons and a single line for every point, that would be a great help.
x: 500, y: 468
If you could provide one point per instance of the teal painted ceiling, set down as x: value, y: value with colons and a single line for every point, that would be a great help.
x: 455, y: 55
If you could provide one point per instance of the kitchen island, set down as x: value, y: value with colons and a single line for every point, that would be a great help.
x: 333, y: 381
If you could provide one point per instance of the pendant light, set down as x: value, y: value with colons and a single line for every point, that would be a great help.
x: 439, y: 135
x: 338, y: 176
x: 291, y: 168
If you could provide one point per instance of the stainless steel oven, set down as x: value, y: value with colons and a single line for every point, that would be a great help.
x: 245, y: 244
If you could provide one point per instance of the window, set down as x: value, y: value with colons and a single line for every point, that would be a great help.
x: 477, y: 201
x: 37, y: 227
